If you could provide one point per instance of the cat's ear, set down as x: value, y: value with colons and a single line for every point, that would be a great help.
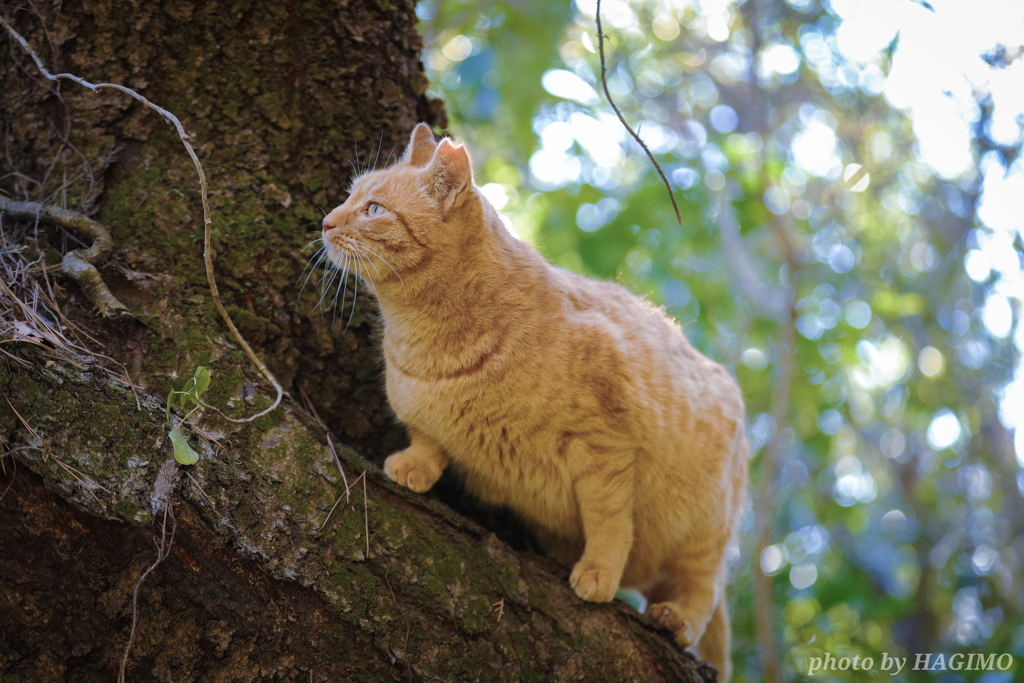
x: 421, y: 146
x: 450, y: 175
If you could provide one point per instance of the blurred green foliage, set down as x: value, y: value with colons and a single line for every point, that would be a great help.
x: 896, y: 496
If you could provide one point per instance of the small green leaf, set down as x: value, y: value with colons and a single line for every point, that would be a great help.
x: 202, y: 378
x: 187, y: 393
x: 183, y: 453
x: 169, y: 397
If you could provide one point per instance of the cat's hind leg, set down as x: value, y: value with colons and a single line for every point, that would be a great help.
x: 715, y: 645
x: 697, y: 573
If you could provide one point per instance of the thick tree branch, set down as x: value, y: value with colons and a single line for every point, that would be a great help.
x: 423, y: 570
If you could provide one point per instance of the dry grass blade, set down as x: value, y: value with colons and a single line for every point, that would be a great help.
x: 40, y: 321
x: 604, y: 82
x: 347, y: 497
x: 366, y: 510
x: 14, y: 473
x: 330, y: 441
x: 82, y: 479
x: 25, y: 323
x: 24, y: 363
x: 201, y: 491
x: 328, y: 518
x: 27, y: 425
x: 29, y: 324
x: 207, y: 221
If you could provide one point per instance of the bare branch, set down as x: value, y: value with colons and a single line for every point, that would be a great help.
x: 604, y: 82
x: 207, y: 221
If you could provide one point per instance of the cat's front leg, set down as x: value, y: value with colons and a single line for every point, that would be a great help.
x: 420, y: 465
x: 604, y: 492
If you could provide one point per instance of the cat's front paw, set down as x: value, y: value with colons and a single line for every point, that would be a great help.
x: 593, y: 582
x: 669, y: 617
x: 411, y: 472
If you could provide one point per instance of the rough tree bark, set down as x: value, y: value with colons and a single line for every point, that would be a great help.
x: 275, y: 95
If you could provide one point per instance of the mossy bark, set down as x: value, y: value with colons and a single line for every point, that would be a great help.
x: 260, y: 583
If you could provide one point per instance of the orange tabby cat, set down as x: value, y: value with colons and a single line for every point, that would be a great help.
x: 572, y: 401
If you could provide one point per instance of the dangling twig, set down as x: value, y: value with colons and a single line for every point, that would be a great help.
x: 604, y: 82
x: 207, y: 221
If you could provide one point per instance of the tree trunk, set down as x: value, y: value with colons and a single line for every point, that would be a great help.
x: 261, y: 581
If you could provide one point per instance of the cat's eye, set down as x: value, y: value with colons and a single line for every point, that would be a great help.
x: 374, y: 209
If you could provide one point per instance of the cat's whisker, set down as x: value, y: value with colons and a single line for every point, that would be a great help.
x: 322, y: 209
x: 325, y: 282
x: 367, y: 259
x: 388, y: 162
x: 322, y: 253
x: 355, y: 174
x: 326, y: 286
x: 318, y: 239
x: 320, y: 264
x: 355, y: 294
x: 342, y: 287
x: 310, y: 260
x: 378, y: 149
x: 344, y: 294
x: 322, y: 247
x: 369, y: 279
x: 364, y: 248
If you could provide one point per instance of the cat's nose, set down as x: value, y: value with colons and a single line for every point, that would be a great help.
x: 327, y: 224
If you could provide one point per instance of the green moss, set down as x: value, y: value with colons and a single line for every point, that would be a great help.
x: 307, y: 452
x: 267, y: 422
x: 28, y: 390
x: 132, y: 513
x: 539, y: 601
x: 109, y: 420
x: 126, y: 446
x: 65, y: 406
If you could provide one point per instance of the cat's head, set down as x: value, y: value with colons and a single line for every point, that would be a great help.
x: 410, y: 216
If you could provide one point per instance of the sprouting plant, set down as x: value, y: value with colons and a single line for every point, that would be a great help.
x: 189, y: 395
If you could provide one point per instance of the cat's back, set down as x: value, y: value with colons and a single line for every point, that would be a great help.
x: 658, y: 363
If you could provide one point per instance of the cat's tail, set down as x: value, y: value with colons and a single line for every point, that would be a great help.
x: 714, y: 645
